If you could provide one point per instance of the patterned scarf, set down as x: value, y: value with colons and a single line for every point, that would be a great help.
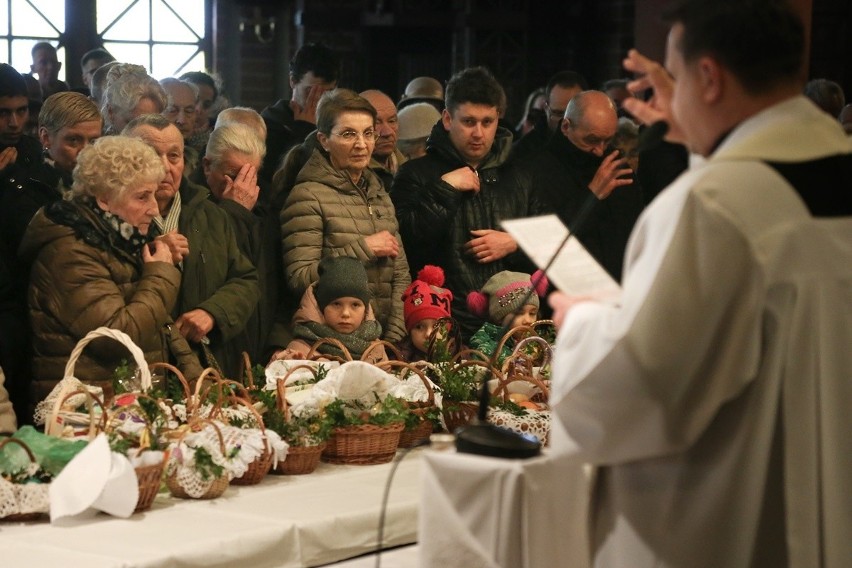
x: 356, y: 342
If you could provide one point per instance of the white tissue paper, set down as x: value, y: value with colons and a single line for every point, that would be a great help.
x: 97, y: 479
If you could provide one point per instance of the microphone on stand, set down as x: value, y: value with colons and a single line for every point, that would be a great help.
x: 486, y: 439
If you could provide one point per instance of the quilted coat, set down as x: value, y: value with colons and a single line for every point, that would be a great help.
x: 326, y: 214
x: 80, y: 281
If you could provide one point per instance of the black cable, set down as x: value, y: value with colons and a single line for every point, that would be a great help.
x: 394, y: 465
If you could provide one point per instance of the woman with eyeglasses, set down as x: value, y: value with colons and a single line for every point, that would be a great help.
x: 339, y: 207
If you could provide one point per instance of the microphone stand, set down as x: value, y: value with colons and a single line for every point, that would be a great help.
x: 480, y: 436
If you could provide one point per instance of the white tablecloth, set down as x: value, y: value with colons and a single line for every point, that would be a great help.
x: 286, y: 521
x: 486, y: 512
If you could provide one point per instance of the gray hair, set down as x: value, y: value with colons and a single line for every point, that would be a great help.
x: 157, y: 121
x: 237, y: 137
x: 114, y: 165
x: 126, y: 85
x: 242, y: 115
x: 170, y: 82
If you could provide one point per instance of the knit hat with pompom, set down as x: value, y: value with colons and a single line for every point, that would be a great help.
x: 504, y: 293
x: 425, y: 298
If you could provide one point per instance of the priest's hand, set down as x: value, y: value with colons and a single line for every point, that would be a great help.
x: 651, y: 75
x: 562, y: 303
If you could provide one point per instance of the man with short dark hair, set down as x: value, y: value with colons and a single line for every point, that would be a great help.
x: 714, y: 399
x: 314, y: 69
x: 560, y: 89
x: 450, y: 202
x: 579, y: 164
x: 46, y: 65
x: 91, y: 61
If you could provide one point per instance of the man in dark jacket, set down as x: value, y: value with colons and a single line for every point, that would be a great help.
x: 219, y: 287
x: 450, y: 202
x: 560, y: 89
x: 314, y: 70
x: 579, y: 164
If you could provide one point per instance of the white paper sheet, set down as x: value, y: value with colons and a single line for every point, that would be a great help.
x: 574, y: 271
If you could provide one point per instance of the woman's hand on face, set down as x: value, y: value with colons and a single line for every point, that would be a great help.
x: 243, y: 189
x: 383, y: 244
x: 156, y: 252
x: 177, y: 243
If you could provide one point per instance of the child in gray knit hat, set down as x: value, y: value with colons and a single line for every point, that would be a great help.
x: 508, y: 300
x: 336, y: 306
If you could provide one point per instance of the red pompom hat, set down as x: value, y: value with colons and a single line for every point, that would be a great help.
x: 425, y: 298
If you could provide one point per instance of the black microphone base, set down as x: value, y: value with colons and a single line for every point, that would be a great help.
x: 489, y: 440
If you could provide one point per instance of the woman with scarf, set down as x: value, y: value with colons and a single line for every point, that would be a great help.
x: 93, y: 265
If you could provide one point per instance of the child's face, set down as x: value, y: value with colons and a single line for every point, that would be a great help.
x: 344, y: 315
x: 420, y: 333
x: 527, y: 316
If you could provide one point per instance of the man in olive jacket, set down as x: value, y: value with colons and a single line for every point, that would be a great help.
x: 219, y: 286
x: 450, y: 202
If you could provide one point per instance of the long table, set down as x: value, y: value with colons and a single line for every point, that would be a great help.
x: 285, y: 521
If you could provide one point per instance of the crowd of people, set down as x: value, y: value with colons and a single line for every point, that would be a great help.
x: 334, y: 214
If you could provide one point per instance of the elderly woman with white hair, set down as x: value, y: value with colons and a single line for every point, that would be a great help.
x: 130, y: 92
x: 230, y: 168
x: 94, y: 265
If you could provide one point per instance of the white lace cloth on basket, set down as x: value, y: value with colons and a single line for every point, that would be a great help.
x: 23, y: 498
x: 251, y: 444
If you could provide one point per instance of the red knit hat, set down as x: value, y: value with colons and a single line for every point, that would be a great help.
x: 425, y: 298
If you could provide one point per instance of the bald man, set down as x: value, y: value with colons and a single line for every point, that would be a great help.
x: 579, y: 164
x: 386, y: 157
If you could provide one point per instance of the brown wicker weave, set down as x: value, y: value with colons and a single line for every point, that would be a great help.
x: 148, y: 478
x: 458, y: 414
x: 257, y: 469
x: 416, y: 435
x: 421, y: 432
x: 363, y: 445
x: 300, y: 460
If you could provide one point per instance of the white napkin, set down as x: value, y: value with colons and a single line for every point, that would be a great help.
x: 97, y: 479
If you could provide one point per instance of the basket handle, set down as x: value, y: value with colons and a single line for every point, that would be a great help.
x: 545, y: 349
x: 314, y: 353
x: 26, y: 448
x: 281, y: 399
x: 453, y: 332
x: 177, y: 373
x: 122, y: 338
x: 51, y: 428
x: 504, y: 381
x: 247, y: 370
x: 375, y: 344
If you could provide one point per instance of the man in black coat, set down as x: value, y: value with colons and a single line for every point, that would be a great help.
x: 314, y: 70
x: 450, y: 202
x: 580, y: 165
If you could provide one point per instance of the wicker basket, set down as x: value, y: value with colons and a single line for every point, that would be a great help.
x: 217, y: 488
x: 148, y: 479
x: 420, y: 433
x: 24, y: 517
x: 458, y: 414
x: 363, y: 445
x: 300, y: 460
x: 414, y: 436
